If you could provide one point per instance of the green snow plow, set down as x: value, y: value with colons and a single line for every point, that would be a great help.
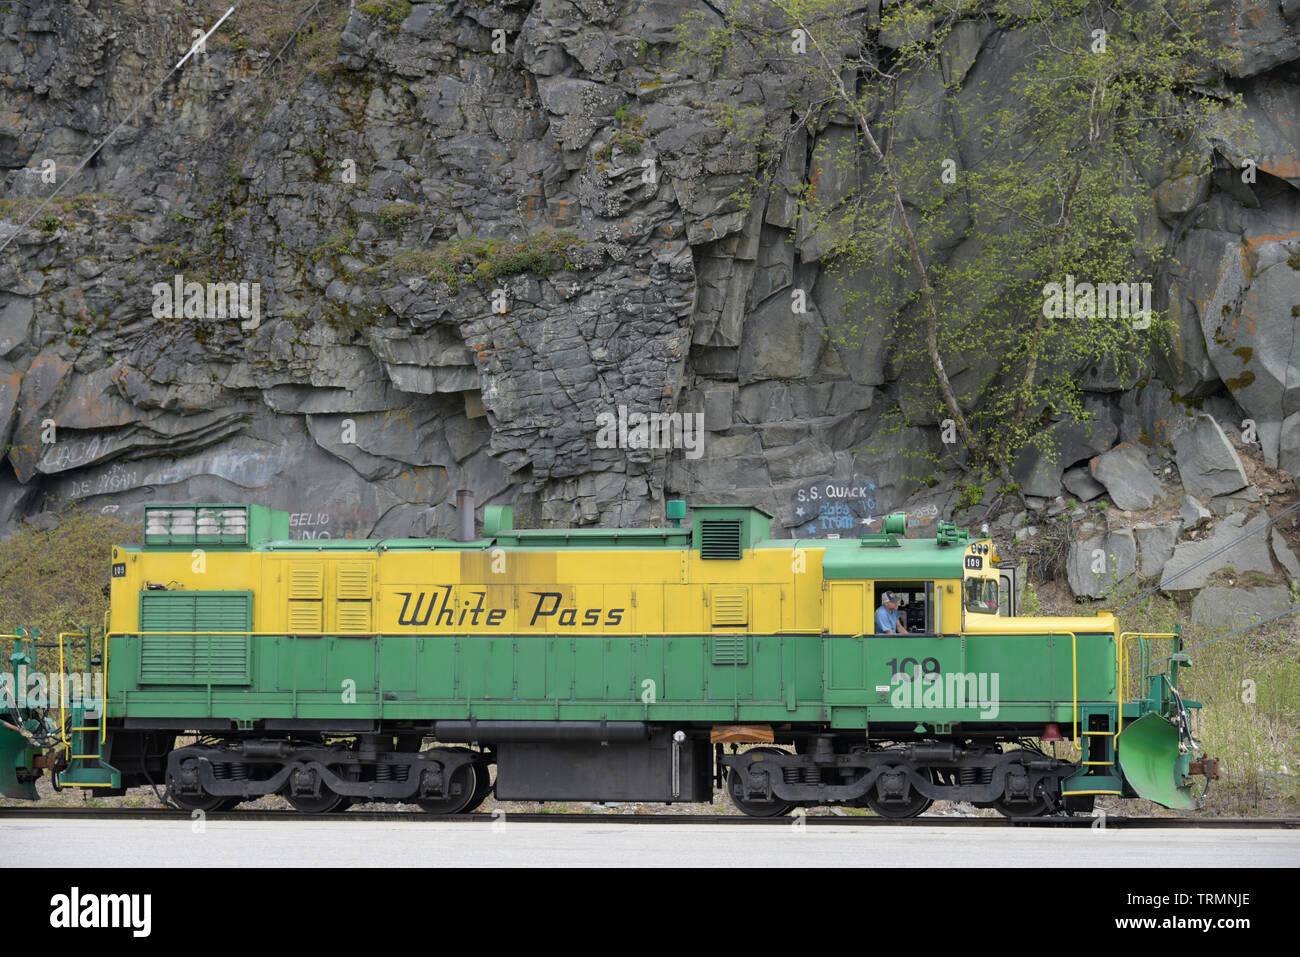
x: 1158, y: 756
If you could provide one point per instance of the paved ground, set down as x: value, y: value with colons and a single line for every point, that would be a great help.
x: 322, y: 844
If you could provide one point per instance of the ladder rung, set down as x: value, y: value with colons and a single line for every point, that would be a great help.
x: 1073, y: 793
x: 91, y: 728
x: 85, y: 756
x: 1097, y: 763
x: 82, y: 784
x: 1108, y: 734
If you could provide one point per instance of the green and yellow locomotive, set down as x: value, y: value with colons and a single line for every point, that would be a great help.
x: 648, y: 664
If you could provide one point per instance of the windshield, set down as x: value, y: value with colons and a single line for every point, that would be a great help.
x: 981, y: 595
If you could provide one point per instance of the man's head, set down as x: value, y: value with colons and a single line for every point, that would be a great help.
x: 889, y: 600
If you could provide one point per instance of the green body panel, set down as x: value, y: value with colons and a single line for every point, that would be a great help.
x: 839, y: 680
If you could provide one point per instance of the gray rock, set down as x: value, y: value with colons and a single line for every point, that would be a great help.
x: 780, y: 344
x: 678, y: 298
x: 15, y: 323
x: 1207, y: 462
x: 1155, y: 546
x: 1151, y: 418
x: 1100, y: 563
x: 718, y: 404
x: 1234, y: 502
x: 1250, y: 554
x: 1228, y: 608
x: 1192, y: 511
x: 1080, y: 483
x: 1127, y: 477
x: 1288, y: 457
x: 1252, y: 341
x: 1038, y: 467
x: 1285, y: 556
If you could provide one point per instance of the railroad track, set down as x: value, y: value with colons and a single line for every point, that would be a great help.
x: 167, y: 814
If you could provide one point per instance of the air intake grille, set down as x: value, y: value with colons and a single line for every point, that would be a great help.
x: 730, y: 650
x: 730, y: 606
x: 306, y: 581
x: 354, y: 617
x: 719, y: 538
x: 353, y: 580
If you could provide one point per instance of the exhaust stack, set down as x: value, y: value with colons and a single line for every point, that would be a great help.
x: 464, y: 515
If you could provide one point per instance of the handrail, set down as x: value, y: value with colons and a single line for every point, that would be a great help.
x: 1145, y: 661
x: 63, y: 733
x: 1074, y: 668
x: 103, y: 698
x: 1128, y: 636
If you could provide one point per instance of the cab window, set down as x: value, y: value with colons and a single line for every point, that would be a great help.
x: 980, y: 595
x: 915, y: 604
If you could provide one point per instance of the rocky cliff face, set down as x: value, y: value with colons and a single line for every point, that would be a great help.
x: 394, y: 142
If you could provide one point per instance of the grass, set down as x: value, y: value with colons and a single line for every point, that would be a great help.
x: 628, y: 139
x: 486, y: 260
x: 79, y: 207
x: 393, y: 217
x: 392, y: 12
x: 336, y: 245
x: 265, y: 26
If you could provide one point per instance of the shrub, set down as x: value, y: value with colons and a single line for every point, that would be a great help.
x: 55, y: 580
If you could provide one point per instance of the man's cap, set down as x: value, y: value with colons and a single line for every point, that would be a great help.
x: 888, y: 596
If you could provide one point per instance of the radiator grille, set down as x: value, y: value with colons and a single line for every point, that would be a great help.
x: 183, y: 659
x: 720, y: 538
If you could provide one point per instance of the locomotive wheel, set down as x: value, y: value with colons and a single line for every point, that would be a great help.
x: 207, y: 803
x: 467, y: 778
x: 915, y: 805
x: 203, y: 801
x: 483, y: 787
x: 324, y: 803
x: 1034, y: 808
x: 756, y: 808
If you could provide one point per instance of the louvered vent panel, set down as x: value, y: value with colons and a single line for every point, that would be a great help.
x: 354, y: 617
x: 353, y: 580
x: 184, y: 659
x: 730, y: 649
x: 730, y: 606
x: 306, y: 581
x: 719, y: 538
x: 305, y: 616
